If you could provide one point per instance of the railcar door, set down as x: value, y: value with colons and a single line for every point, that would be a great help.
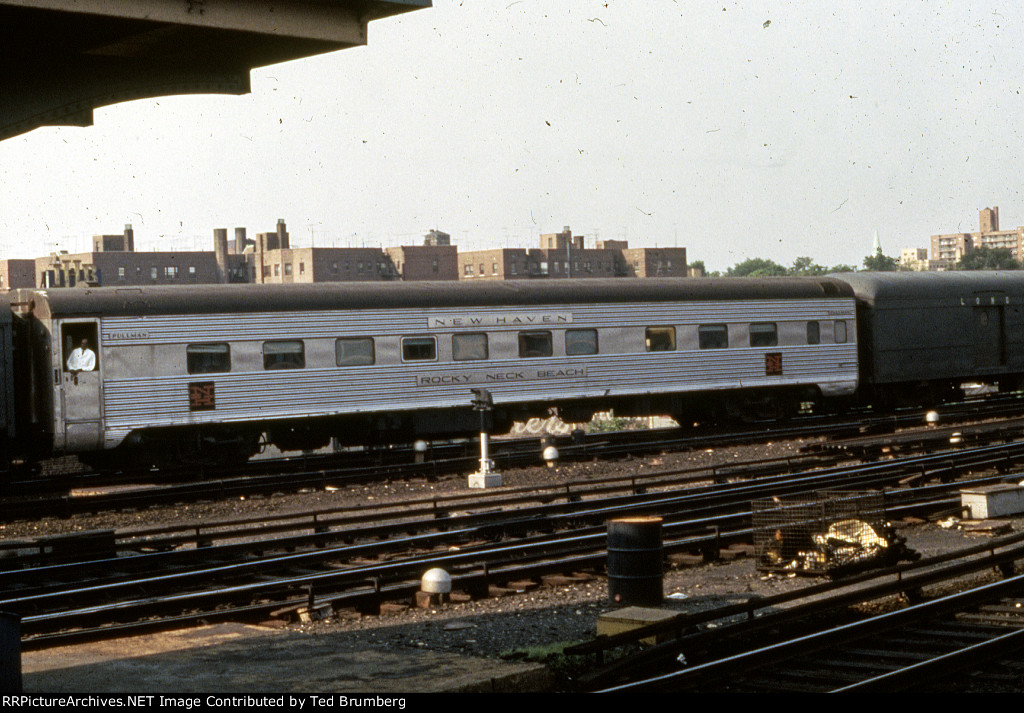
x: 989, y: 336
x: 80, y: 379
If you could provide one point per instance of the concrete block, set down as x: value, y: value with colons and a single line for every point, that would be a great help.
x: 630, y: 618
x: 990, y: 501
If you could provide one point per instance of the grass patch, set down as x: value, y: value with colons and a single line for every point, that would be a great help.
x: 564, y: 666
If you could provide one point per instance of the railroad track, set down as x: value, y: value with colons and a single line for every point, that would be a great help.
x: 35, y: 498
x: 959, y: 636
x: 457, y: 455
x: 362, y: 564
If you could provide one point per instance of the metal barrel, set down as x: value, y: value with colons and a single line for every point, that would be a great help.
x: 635, y: 561
x: 10, y: 653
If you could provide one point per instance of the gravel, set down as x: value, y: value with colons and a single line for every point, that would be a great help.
x: 537, y: 617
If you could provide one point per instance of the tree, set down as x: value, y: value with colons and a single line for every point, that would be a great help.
x: 881, y: 263
x: 757, y: 267
x: 988, y: 259
x: 806, y: 266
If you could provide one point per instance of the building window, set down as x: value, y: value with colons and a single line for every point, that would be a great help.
x: 535, y: 344
x: 660, y: 339
x: 467, y: 270
x: 713, y: 336
x: 354, y: 351
x: 277, y: 270
x: 284, y: 354
x: 287, y: 268
x: 152, y: 273
x: 481, y: 268
x: 120, y: 273
x: 467, y: 347
x: 419, y: 349
x: 192, y: 271
x: 208, y: 358
x: 302, y: 268
x: 434, y: 265
x: 266, y: 270
x: 171, y: 272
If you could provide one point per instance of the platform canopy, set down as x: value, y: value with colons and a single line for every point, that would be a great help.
x: 60, y: 59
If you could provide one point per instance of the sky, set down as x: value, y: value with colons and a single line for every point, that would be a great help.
x: 733, y: 129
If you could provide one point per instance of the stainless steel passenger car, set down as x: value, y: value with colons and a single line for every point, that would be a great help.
x: 924, y: 334
x: 215, y: 370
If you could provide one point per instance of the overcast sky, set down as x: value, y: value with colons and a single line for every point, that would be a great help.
x: 734, y: 129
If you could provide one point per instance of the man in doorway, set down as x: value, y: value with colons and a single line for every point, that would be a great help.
x: 82, y: 359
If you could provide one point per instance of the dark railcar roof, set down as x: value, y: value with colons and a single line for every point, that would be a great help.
x: 208, y: 299
x: 871, y: 287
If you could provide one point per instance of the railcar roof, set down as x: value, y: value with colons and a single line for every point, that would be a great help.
x: 889, y: 286
x: 209, y: 299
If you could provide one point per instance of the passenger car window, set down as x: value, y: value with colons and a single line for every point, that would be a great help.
x: 580, y: 341
x: 466, y: 347
x: 208, y: 358
x: 660, y: 339
x: 284, y: 354
x: 840, y: 332
x: 813, y: 333
x: 419, y: 349
x: 535, y: 344
x: 354, y: 351
x: 79, y: 346
x: 713, y: 336
x: 764, y: 334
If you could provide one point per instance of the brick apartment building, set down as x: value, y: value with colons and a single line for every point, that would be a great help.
x: 563, y: 255
x: 275, y: 262
x: 949, y: 248
x: 113, y: 262
x: 270, y: 259
x: 15, y: 273
x: 425, y: 262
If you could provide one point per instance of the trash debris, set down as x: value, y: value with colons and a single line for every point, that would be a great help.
x: 832, y: 534
x: 677, y: 595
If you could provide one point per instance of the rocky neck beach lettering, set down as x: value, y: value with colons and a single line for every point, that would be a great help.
x: 499, y: 376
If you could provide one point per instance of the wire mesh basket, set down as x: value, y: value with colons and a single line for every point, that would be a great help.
x: 822, y: 534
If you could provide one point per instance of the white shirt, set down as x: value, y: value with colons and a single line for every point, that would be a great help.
x: 82, y: 360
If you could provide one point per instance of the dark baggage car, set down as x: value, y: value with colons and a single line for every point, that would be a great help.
x: 923, y: 335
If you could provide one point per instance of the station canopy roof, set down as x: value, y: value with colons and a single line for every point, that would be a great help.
x: 60, y: 59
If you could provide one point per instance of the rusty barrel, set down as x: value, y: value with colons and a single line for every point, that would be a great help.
x: 635, y: 561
